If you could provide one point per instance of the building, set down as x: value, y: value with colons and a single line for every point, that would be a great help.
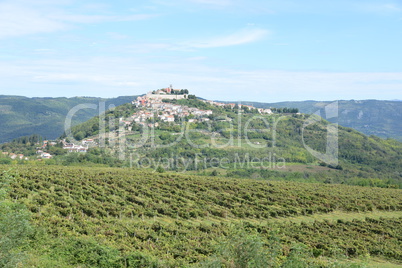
x: 46, y: 156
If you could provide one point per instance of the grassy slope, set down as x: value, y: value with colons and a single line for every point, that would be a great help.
x: 22, y: 116
x: 179, y: 218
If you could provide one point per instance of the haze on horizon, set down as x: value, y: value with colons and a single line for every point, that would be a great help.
x: 266, y: 51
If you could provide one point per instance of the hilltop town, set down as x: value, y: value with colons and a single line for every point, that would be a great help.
x: 151, y: 109
x: 156, y: 106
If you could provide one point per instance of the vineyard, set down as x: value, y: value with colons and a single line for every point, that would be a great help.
x: 109, y: 217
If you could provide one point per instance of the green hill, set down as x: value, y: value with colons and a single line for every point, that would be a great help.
x: 250, y: 144
x: 22, y: 116
x: 103, y: 217
x: 371, y: 117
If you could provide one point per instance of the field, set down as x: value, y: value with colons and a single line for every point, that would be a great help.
x: 124, y: 217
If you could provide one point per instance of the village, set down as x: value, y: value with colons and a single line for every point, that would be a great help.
x: 42, y: 149
x: 153, y: 108
x: 156, y: 108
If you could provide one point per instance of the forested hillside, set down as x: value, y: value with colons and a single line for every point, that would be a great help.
x: 22, y: 116
x: 371, y: 117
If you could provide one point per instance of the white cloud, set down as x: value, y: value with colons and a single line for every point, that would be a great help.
x: 241, y: 37
x: 213, y: 2
x: 392, y: 7
x: 17, y: 19
x: 382, y: 8
x: 237, y: 38
x: 205, y: 3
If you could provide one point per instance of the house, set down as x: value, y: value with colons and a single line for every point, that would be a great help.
x: 231, y: 105
x: 153, y: 125
x: 68, y: 145
x: 77, y: 149
x: 170, y: 118
x: 249, y: 107
x: 88, y: 142
x: 46, y: 156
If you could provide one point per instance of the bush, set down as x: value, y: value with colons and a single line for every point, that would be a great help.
x: 160, y: 169
x: 5, y: 161
x: 14, y: 226
x: 89, y: 252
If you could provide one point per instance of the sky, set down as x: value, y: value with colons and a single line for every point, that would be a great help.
x: 233, y: 50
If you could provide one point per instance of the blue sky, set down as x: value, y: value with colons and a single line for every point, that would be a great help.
x: 235, y: 50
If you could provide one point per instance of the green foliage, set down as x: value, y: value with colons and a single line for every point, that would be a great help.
x: 88, y: 252
x: 285, y: 110
x: 248, y: 250
x: 21, y: 116
x: 14, y: 226
x: 160, y: 169
x: 5, y: 161
x: 371, y: 117
x: 128, y: 218
x: 24, y: 145
x: 240, y: 249
x: 94, y: 156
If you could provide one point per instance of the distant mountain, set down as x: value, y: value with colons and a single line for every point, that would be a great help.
x: 371, y: 117
x: 21, y: 116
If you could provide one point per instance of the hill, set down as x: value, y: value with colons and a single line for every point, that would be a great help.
x: 371, y: 117
x: 245, y: 144
x: 22, y: 116
x: 104, y: 217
